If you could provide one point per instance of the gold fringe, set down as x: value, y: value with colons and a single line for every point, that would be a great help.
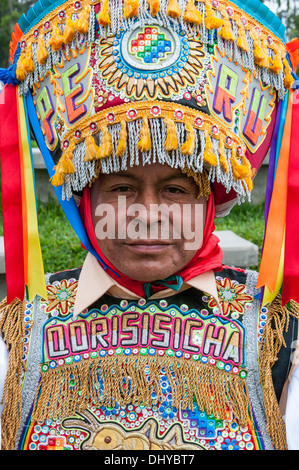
x: 12, y: 326
x: 273, y: 340
x: 125, y: 382
x: 208, y: 155
x: 202, y: 181
x: 69, y: 32
x: 226, y: 31
x: 56, y: 40
x: 288, y: 79
x: 91, y: 149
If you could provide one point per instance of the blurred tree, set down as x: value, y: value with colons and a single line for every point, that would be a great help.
x: 10, y: 12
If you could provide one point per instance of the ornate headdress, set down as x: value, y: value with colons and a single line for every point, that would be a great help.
x: 105, y: 84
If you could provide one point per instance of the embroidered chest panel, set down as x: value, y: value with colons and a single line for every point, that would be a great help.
x: 159, y: 374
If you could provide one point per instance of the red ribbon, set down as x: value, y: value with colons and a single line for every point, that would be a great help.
x: 12, y: 194
x: 291, y: 264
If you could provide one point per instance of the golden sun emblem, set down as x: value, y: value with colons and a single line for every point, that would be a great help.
x: 148, y: 65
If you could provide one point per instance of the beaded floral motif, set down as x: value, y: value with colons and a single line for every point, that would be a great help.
x: 234, y: 297
x: 61, y: 296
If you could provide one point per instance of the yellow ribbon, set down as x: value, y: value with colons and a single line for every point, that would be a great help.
x: 35, y: 274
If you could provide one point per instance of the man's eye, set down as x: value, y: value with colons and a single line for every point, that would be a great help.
x: 122, y: 189
x: 174, y: 190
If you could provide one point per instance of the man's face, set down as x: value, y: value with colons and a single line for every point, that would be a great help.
x: 148, y: 220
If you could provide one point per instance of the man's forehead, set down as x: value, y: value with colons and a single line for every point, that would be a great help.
x: 155, y: 171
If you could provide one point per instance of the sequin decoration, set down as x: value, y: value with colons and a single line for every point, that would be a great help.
x: 235, y: 298
x: 61, y: 297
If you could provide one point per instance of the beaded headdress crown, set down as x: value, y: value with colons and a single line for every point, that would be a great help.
x: 106, y: 84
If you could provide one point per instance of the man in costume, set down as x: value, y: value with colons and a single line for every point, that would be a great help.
x: 153, y: 343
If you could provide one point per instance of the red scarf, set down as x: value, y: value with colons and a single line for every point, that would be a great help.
x: 208, y: 257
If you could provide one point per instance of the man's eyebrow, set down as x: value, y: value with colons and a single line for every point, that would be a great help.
x: 125, y: 174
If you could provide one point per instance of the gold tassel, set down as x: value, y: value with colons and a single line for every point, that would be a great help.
x: 260, y: 52
x: 20, y: 71
x: 226, y: 31
x: 131, y: 8
x: 57, y: 179
x: 240, y: 170
x: 276, y: 64
x: 121, y: 147
x: 12, y: 326
x: 69, y: 32
x: 144, y: 143
x: 154, y: 7
x: 27, y: 62
x: 41, y: 53
x: 211, y: 20
x: 272, y: 341
x: 67, y: 166
x: 187, y: 148
x: 82, y: 25
x: 92, y: 150
x: 192, y: 14
x: 173, y: 9
x: 242, y: 42
x: 208, y: 155
x: 56, y: 39
x: 105, y: 148
x: 103, y: 16
x: 171, y: 141
x: 288, y: 78
x: 222, y: 157
x: 249, y: 183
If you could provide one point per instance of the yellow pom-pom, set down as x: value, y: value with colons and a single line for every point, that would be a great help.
x: 91, y: 149
x: 144, y: 143
x: 41, y: 53
x: 131, y: 8
x: 173, y: 9
x: 121, y: 147
x: 211, y: 20
x: 69, y: 31
x: 276, y: 64
x: 154, y: 7
x: 288, y: 78
x: 82, y: 25
x: 249, y: 183
x: 209, y: 156
x: 187, y: 148
x: 67, y: 166
x: 103, y: 16
x: 192, y: 15
x: 171, y: 141
x: 20, y: 72
x: 260, y: 52
x: 57, y: 179
x: 240, y: 170
x: 56, y: 40
x: 226, y: 31
x: 105, y: 148
x: 28, y: 63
